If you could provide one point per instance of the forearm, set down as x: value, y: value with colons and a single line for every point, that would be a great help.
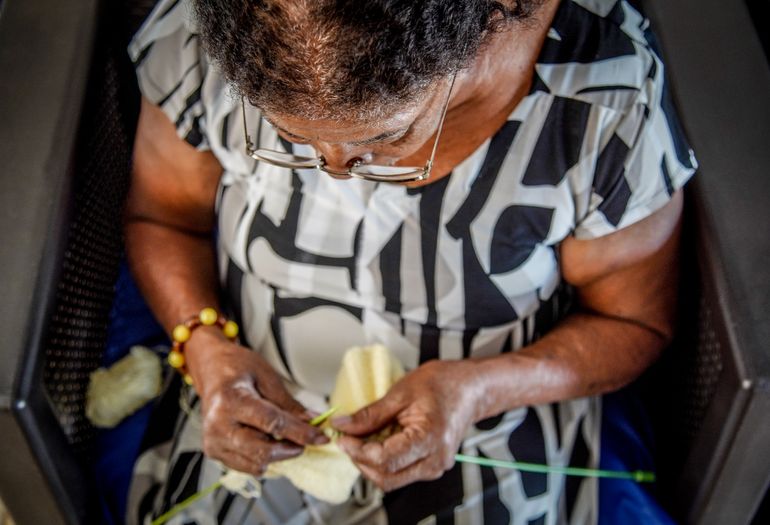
x: 175, y: 270
x: 587, y: 354
x: 626, y: 286
x: 243, y: 401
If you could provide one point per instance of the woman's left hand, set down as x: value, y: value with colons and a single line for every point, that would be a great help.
x: 434, y: 405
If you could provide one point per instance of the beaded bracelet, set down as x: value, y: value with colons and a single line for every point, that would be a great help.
x: 182, y: 332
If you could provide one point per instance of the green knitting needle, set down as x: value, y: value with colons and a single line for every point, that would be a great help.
x: 323, y: 417
x: 640, y: 476
x: 179, y: 507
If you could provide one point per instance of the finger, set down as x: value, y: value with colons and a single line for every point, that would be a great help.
x: 371, y: 418
x: 395, y: 453
x: 270, y: 386
x: 242, y: 463
x: 258, y: 448
x: 402, y: 449
x: 424, y: 470
x: 309, y: 414
x: 273, y: 389
x: 279, y: 424
x: 352, y: 446
x: 283, y: 400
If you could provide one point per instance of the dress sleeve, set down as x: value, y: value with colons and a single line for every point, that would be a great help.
x: 642, y: 162
x: 171, y: 68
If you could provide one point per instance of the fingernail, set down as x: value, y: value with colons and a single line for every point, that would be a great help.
x: 341, y: 420
x: 310, y: 414
x: 286, y: 452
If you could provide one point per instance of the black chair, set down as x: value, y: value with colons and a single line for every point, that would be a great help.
x: 68, y: 106
x: 715, y: 396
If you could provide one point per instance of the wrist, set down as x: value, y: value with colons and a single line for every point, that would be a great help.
x: 504, y: 384
x: 202, y: 331
x: 534, y: 375
x: 200, y: 348
x: 481, y: 388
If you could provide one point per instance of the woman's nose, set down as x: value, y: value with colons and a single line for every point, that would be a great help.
x: 339, y: 158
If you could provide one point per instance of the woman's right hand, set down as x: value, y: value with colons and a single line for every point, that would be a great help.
x: 249, y: 418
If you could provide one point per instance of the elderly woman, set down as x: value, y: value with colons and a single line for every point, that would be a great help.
x: 488, y: 188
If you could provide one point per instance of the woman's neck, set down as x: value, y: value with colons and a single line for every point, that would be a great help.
x: 489, y: 91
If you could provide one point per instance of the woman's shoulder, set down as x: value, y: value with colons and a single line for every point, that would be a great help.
x: 601, y: 52
x: 173, y: 71
x: 600, y: 98
x: 168, y: 21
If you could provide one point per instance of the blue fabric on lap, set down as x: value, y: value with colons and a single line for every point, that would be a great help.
x: 131, y: 323
x: 627, y: 444
x: 117, y: 450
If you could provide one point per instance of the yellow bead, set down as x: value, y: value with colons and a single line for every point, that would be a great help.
x: 208, y: 316
x: 230, y: 330
x: 181, y: 333
x: 176, y: 359
x: 188, y: 379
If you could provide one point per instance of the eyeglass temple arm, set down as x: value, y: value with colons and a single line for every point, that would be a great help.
x: 249, y: 144
x: 441, y: 122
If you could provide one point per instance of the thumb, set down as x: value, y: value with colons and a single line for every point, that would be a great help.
x: 369, y: 419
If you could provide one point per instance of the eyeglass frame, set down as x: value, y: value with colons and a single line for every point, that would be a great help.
x: 319, y: 163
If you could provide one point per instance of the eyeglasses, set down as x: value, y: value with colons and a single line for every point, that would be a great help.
x: 358, y: 169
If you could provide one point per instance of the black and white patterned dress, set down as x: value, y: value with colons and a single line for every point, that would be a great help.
x: 466, y: 266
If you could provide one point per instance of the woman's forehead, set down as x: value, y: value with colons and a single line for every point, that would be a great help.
x: 344, y: 130
x: 348, y: 127
x: 364, y: 126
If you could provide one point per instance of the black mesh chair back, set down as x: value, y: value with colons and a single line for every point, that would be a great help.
x: 69, y: 107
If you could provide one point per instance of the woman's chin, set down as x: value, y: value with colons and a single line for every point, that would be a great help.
x: 339, y: 176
